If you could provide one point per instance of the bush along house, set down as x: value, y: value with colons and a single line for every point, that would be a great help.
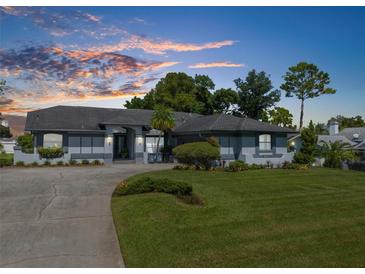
x: 125, y: 135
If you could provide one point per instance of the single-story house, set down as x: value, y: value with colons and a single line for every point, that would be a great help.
x: 125, y: 134
x: 354, y: 136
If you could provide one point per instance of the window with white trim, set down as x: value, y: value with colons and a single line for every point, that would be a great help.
x: 151, y: 143
x: 52, y: 140
x: 265, y: 142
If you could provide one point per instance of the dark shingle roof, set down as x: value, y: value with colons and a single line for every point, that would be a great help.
x: 349, y: 133
x: 91, y: 118
x: 334, y: 138
x: 69, y: 118
x: 225, y: 122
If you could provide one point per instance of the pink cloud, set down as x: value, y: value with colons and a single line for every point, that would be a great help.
x: 225, y: 64
x: 160, y: 47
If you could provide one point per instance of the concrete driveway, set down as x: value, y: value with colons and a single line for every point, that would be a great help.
x: 61, y: 217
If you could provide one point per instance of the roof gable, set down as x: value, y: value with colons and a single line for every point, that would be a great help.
x: 349, y: 133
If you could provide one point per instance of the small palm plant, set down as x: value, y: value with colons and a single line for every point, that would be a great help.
x: 163, y: 120
x: 334, y: 153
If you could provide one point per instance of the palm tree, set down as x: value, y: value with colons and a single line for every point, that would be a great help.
x: 334, y: 153
x: 163, y: 120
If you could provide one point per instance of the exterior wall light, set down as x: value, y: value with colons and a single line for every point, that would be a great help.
x: 139, y: 140
x: 109, y: 140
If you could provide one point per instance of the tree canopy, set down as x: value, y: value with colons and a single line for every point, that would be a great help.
x: 318, y: 129
x: 180, y: 92
x: 224, y: 100
x: 256, y: 94
x: 281, y: 117
x: 345, y: 122
x: 306, y: 81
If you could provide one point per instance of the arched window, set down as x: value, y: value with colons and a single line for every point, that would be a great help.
x: 52, y: 140
x: 265, y: 142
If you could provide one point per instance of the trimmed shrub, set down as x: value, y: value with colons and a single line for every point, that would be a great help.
x: 147, y: 184
x: 287, y: 165
x: 85, y: 162
x: 34, y: 164
x: 47, y: 163
x: 20, y: 163
x: 179, y: 167
x: 60, y: 163
x: 6, y: 162
x: 96, y: 163
x: 213, y: 141
x: 200, y: 154
x: 306, y: 155
x: 50, y: 152
x: 236, y: 166
x: 303, y: 158
x: 72, y: 162
x: 256, y: 166
x: 26, y: 143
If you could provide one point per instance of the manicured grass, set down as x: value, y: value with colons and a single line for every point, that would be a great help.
x: 258, y: 218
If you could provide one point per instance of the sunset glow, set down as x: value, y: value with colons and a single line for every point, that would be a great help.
x: 103, y: 56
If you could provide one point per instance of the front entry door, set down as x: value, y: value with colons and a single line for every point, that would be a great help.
x: 120, y: 147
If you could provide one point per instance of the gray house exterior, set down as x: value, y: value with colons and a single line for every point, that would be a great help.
x: 354, y: 136
x: 115, y: 135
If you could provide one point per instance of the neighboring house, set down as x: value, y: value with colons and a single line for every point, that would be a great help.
x: 125, y: 134
x: 354, y: 136
x: 8, y: 144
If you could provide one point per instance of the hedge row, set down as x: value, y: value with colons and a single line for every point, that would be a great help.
x: 59, y: 163
x: 50, y: 152
x: 6, y: 162
x: 147, y: 184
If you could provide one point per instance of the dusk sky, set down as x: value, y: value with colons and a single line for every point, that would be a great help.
x: 102, y: 56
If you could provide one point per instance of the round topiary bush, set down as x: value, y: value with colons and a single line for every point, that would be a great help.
x: 200, y: 154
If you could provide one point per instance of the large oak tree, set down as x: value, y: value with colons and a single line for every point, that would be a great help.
x: 256, y: 94
x: 179, y: 92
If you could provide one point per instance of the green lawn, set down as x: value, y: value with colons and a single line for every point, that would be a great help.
x: 258, y: 218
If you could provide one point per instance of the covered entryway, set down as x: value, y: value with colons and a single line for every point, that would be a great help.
x: 120, y: 150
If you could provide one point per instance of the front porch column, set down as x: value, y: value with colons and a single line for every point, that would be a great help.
x: 108, y: 148
x: 138, y: 145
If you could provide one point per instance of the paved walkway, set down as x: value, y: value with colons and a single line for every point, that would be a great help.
x: 60, y: 217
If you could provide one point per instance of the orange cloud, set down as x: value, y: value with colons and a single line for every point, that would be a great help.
x: 160, y: 47
x: 53, y: 74
x: 19, y: 106
x: 224, y: 64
